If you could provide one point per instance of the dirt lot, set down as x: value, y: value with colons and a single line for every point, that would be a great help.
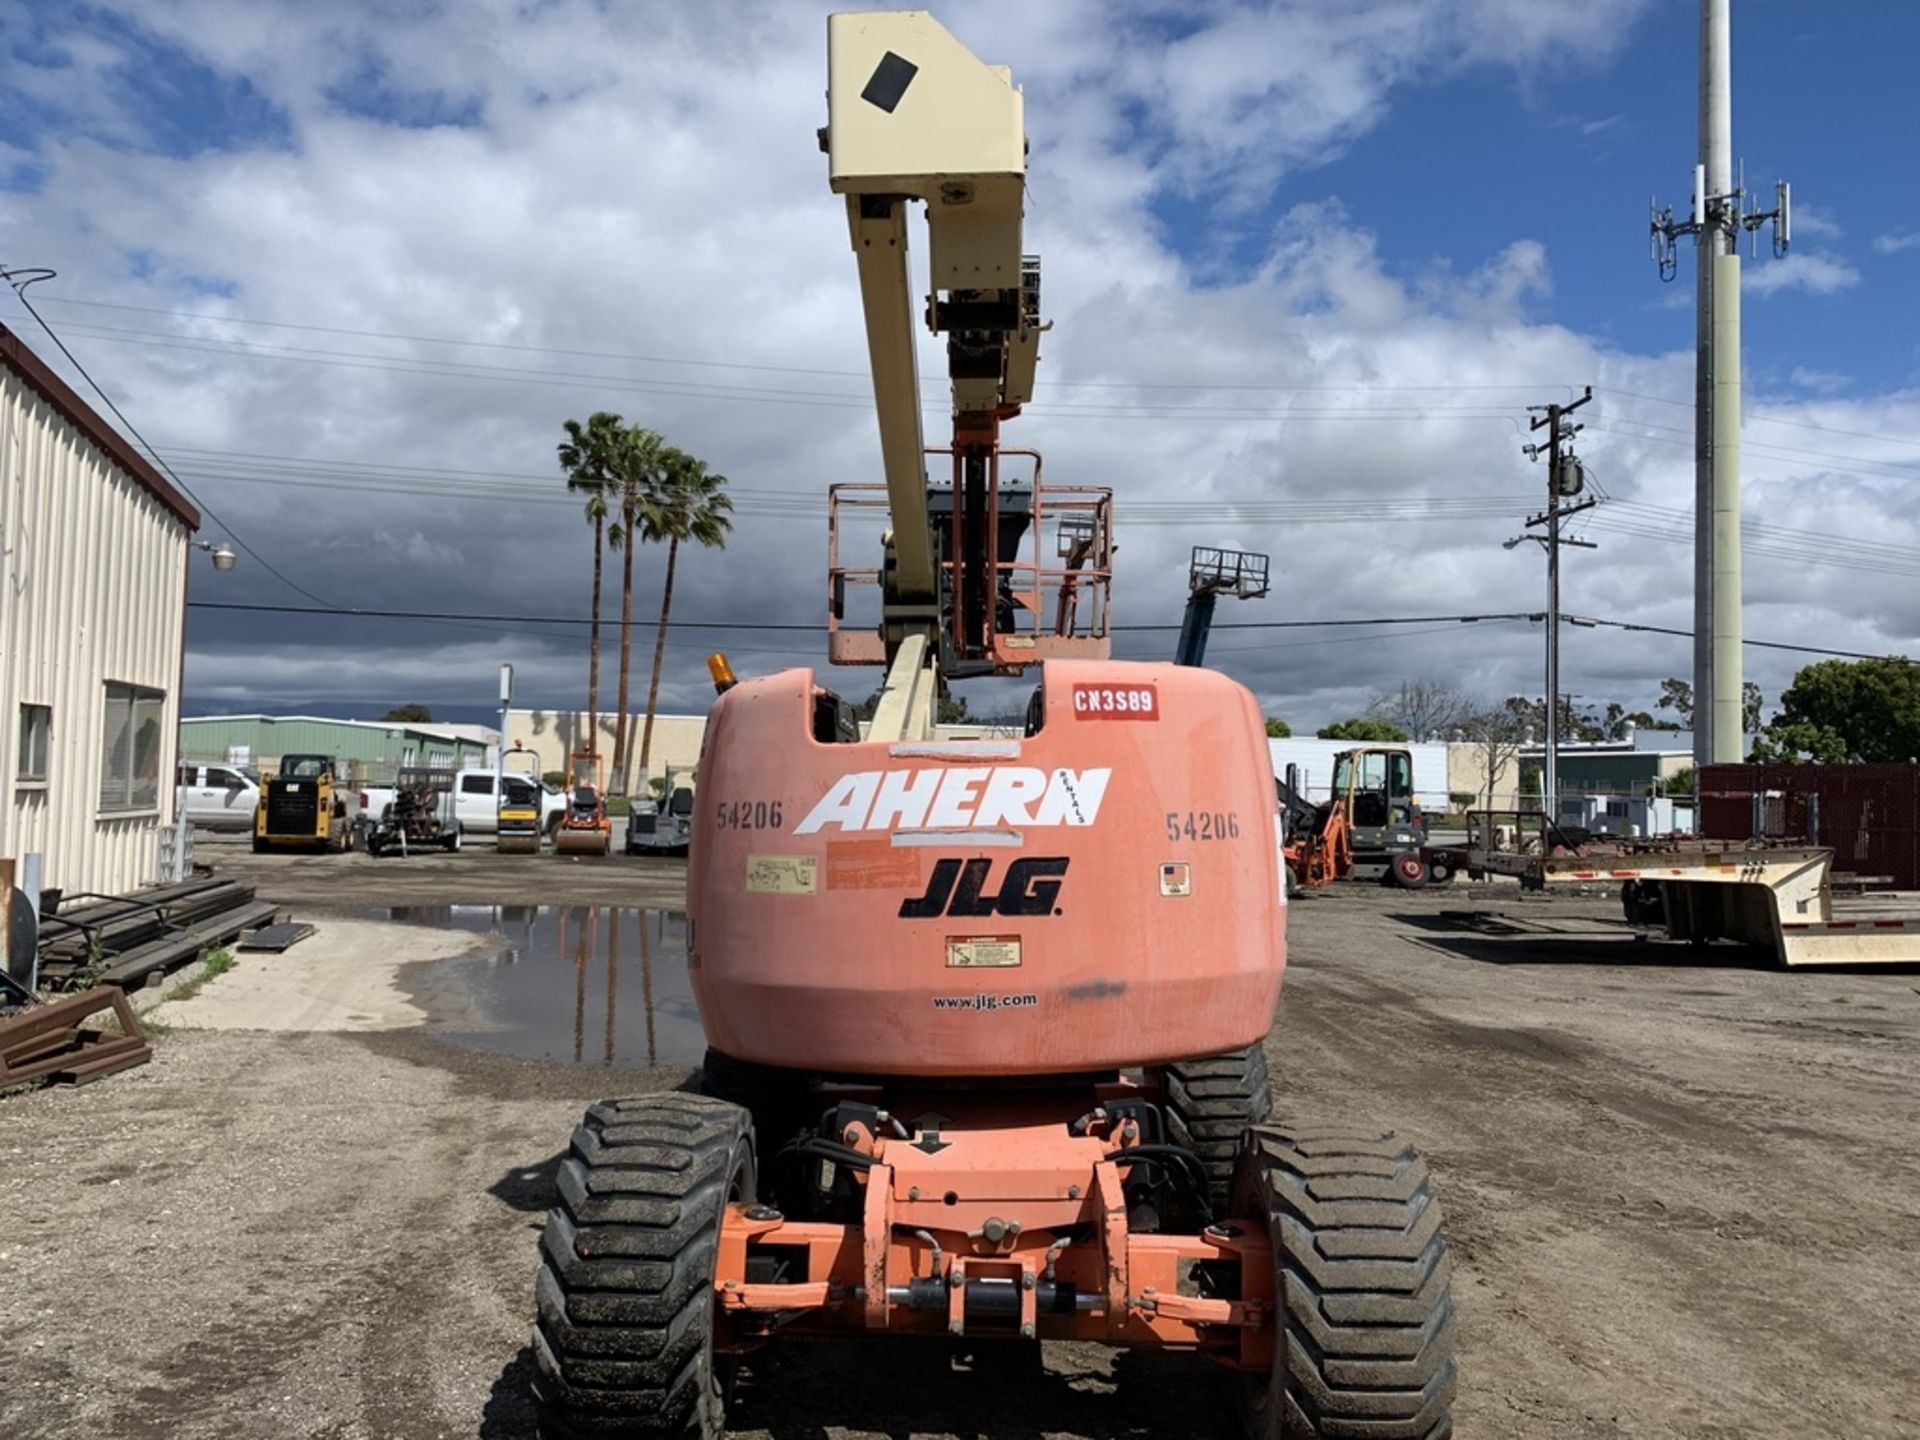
x: 1682, y: 1199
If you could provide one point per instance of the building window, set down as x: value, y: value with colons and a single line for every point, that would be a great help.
x: 36, y: 742
x: 130, y: 748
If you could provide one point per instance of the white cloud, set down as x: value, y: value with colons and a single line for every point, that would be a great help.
x: 1815, y: 220
x: 1894, y: 244
x: 1824, y: 382
x: 648, y: 185
x: 1814, y: 274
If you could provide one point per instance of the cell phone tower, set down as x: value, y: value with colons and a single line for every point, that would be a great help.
x: 1722, y: 209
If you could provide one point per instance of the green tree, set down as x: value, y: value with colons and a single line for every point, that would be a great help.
x: 1278, y: 729
x: 689, y: 503
x: 1359, y: 727
x: 1618, y: 717
x: 948, y: 709
x: 1677, y: 695
x: 1680, y: 782
x: 635, y: 469
x: 1576, y: 723
x: 586, y: 455
x: 1839, y: 710
x: 414, y: 714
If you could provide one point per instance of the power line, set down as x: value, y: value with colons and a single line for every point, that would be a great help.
x: 1610, y: 392
x: 1757, y: 644
x: 1432, y: 623
x: 1448, y: 386
x: 715, y: 390
x: 20, y: 279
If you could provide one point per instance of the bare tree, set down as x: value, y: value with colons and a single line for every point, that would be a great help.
x: 1498, y: 730
x: 1425, y: 709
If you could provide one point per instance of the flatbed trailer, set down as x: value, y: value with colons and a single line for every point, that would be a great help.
x: 1775, y: 897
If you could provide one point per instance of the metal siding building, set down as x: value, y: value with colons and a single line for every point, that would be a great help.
x: 93, y: 574
x: 375, y: 748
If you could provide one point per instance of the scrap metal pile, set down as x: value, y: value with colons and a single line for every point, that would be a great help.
x: 123, y: 940
x: 48, y: 1042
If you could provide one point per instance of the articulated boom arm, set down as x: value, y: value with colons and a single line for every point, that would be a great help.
x: 913, y: 115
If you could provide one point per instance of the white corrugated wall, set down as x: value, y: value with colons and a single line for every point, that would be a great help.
x: 92, y: 589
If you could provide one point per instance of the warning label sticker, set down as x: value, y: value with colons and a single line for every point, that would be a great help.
x: 783, y: 874
x: 983, y: 952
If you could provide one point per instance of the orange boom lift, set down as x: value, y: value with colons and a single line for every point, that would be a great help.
x: 985, y: 1017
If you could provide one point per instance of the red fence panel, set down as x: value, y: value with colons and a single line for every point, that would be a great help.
x: 1868, y: 814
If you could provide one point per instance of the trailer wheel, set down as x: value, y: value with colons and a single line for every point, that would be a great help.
x: 1410, y: 871
x: 1210, y: 1103
x: 456, y: 840
x: 1361, y: 1276
x: 260, y: 847
x: 623, y: 1339
x: 1643, y: 903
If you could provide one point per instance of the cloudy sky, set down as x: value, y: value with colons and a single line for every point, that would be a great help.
x: 349, y: 266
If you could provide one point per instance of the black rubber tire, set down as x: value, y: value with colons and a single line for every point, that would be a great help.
x: 1643, y: 904
x: 1362, y: 1273
x: 1409, y: 870
x: 776, y: 1098
x: 1210, y: 1103
x: 623, y: 1339
x: 260, y: 847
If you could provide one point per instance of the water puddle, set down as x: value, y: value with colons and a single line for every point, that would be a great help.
x: 589, y: 984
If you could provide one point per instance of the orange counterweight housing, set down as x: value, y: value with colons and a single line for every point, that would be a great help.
x: 1104, y: 892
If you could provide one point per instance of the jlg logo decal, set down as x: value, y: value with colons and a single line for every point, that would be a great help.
x: 959, y: 888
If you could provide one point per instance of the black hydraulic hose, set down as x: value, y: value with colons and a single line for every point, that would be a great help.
x: 1176, y: 1157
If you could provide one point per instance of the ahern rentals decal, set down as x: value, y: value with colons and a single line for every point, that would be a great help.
x: 958, y: 797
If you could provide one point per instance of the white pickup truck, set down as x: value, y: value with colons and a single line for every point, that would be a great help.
x: 475, y: 802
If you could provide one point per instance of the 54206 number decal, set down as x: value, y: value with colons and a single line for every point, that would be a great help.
x: 747, y: 815
x: 1202, y: 825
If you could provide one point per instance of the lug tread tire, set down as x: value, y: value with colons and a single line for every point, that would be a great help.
x: 1211, y: 1103
x: 623, y: 1299
x: 1365, y: 1276
x: 776, y: 1098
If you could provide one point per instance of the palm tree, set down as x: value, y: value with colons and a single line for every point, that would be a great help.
x: 691, y: 503
x: 634, y: 468
x: 584, y: 456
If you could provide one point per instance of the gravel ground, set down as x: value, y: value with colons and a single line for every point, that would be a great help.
x: 1681, y: 1197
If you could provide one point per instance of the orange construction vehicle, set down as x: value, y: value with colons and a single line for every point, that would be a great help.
x: 1319, y: 843
x: 585, y: 829
x: 985, y: 1016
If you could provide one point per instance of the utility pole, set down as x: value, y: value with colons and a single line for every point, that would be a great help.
x: 1566, y: 479
x: 500, y: 750
x: 1716, y: 221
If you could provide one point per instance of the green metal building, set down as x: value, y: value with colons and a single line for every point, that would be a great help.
x: 371, y: 749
